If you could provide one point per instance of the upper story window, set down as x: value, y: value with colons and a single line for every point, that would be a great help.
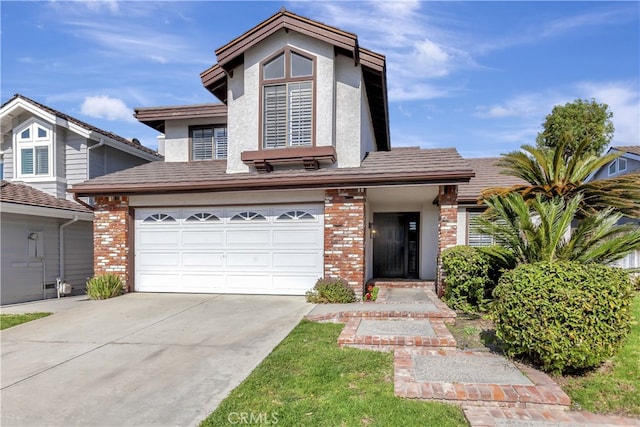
x: 34, y: 149
x: 617, y: 166
x: 208, y: 142
x: 287, y: 100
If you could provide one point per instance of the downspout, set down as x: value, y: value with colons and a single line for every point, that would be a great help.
x: 99, y: 144
x: 61, y: 245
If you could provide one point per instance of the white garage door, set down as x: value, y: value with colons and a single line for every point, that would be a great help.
x: 243, y: 249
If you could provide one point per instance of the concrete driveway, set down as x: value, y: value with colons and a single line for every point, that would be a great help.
x: 139, y: 359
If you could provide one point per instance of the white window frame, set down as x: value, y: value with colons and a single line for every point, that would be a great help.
x: 33, y: 143
x: 618, y: 165
x: 482, y: 239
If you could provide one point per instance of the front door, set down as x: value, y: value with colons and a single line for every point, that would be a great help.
x: 395, y: 245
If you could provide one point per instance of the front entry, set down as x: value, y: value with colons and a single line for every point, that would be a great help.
x: 395, y: 245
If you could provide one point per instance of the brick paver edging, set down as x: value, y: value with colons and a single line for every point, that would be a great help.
x: 494, y: 417
x: 349, y: 338
x: 544, y: 393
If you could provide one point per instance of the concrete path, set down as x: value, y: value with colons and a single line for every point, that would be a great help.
x: 491, y: 390
x: 139, y: 359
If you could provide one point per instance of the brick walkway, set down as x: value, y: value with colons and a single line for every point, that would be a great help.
x: 409, y: 320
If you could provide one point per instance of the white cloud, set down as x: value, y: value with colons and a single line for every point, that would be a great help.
x: 523, y: 105
x: 104, y: 107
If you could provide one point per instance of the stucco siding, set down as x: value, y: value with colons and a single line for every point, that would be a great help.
x: 348, y: 112
x: 176, y: 137
x: 244, y: 97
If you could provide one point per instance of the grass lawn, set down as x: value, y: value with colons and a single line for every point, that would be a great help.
x: 309, y: 381
x: 9, y: 320
x: 615, y: 387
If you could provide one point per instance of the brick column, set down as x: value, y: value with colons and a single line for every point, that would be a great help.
x: 111, y: 237
x: 447, y: 227
x: 344, y: 236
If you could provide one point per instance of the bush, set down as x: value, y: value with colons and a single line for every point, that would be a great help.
x: 563, y: 316
x: 465, y: 277
x: 104, y: 286
x: 331, y: 291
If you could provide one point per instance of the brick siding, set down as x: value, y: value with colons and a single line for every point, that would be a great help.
x: 344, y: 236
x: 447, y: 227
x: 111, y: 237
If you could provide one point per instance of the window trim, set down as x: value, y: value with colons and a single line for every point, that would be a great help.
x: 214, y: 147
x: 286, y: 51
x: 469, y: 213
x: 34, y: 142
x: 617, y: 165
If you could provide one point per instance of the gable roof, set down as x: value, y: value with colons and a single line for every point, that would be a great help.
x: 155, y: 117
x: 487, y: 175
x: 395, y: 167
x: 22, y: 194
x: 627, y: 149
x: 133, y: 147
x: 373, y: 64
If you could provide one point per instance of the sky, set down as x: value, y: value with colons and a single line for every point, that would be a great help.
x: 478, y: 76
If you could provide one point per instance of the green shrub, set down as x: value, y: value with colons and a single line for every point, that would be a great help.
x: 104, y: 286
x: 331, y: 291
x: 466, y: 275
x: 563, y: 316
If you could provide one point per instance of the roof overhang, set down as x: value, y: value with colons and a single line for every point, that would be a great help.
x: 156, y: 117
x: 278, y: 183
x: 41, y: 211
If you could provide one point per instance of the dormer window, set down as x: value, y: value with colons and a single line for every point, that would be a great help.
x: 287, y: 100
x: 34, y: 148
x: 617, y: 166
x: 208, y: 142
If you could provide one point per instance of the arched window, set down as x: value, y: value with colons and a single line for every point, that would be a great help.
x: 159, y: 217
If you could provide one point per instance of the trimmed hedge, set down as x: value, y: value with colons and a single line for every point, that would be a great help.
x: 563, y: 316
x: 471, y: 274
x: 331, y: 291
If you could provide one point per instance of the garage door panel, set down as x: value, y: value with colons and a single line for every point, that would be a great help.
x: 300, y: 238
x: 248, y: 260
x: 203, y: 282
x: 295, y: 261
x: 159, y: 237
x: 203, y: 238
x: 158, y: 282
x: 203, y: 260
x: 158, y: 260
x: 248, y: 282
x: 248, y: 237
x: 293, y: 284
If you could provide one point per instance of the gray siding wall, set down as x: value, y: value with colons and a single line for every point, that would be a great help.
x: 7, y: 148
x: 21, y: 276
x: 632, y: 166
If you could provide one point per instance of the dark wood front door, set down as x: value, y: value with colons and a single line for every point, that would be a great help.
x: 395, y: 245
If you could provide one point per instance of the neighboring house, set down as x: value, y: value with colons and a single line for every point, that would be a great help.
x: 487, y: 175
x: 626, y: 163
x: 290, y: 178
x: 46, y: 234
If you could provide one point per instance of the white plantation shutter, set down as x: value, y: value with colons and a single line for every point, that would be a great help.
x: 26, y: 156
x: 202, y: 144
x: 475, y: 237
x: 42, y: 160
x: 300, y: 113
x: 275, y: 116
x: 220, y: 136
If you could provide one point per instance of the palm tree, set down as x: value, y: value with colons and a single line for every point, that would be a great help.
x: 540, y: 230
x: 551, y: 174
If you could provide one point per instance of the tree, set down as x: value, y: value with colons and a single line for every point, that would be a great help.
x: 548, y: 173
x: 541, y: 230
x: 576, y: 122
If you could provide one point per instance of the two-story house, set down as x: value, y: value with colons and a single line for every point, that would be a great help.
x: 290, y: 177
x: 627, y: 162
x: 46, y: 234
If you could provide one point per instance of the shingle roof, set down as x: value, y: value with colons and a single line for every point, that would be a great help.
x: 632, y: 149
x: 86, y: 125
x: 487, y: 175
x: 378, y: 168
x: 22, y: 194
